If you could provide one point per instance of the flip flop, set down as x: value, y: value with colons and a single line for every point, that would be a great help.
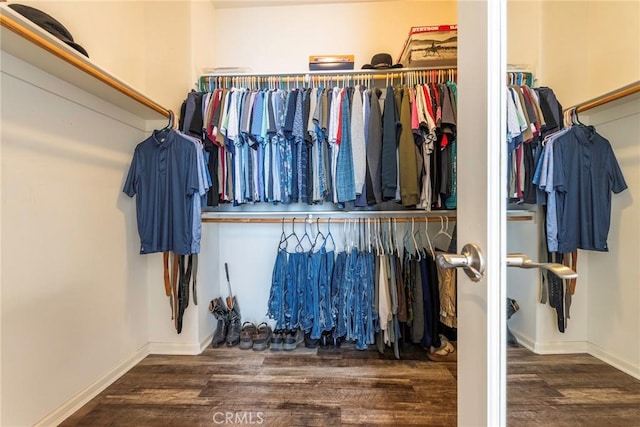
x: 445, y: 353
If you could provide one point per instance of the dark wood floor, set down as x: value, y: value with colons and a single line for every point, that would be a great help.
x: 347, y: 387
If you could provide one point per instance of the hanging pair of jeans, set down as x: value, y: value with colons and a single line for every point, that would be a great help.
x: 312, y: 296
x: 277, y: 294
x: 289, y: 288
x: 358, y: 291
x: 364, y: 329
x: 337, y: 297
x: 370, y: 315
x: 325, y: 319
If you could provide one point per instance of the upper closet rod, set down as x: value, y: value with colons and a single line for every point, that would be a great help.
x: 627, y: 90
x: 76, y: 60
x: 424, y: 73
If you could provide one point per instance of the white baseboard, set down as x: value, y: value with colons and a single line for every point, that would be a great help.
x: 566, y: 347
x: 182, y: 349
x: 556, y: 347
x: 76, y: 402
x: 561, y: 347
x: 609, y: 359
x: 524, y: 341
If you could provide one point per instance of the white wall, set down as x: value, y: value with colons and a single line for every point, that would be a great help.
x: 614, y: 294
x: 524, y: 34
x: 281, y: 38
x: 79, y: 304
x: 74, y: 290
x: 148, y: 44
x: 589, y: 47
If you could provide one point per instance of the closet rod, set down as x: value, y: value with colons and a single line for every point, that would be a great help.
x: 303, y: 77
x: 79, y: 62
x: 334, y: 73
x: 338, y: 220
x: 619, y: 93
x: 322, y: 220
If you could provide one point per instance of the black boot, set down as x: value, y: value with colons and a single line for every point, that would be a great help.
x: 220, y: 311
x: 235, y: 324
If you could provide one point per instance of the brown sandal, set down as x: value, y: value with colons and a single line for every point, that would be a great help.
x: 445, y: 353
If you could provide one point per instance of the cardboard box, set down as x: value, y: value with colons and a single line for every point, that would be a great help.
x: 431, y: 46
x: 331, y: 62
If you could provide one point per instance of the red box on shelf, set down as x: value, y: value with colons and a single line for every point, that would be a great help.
x: 431, y: 46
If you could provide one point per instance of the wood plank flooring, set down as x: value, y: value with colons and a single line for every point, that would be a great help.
x: 348, y: 387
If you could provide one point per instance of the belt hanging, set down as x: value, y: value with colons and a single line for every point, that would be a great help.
x: 167, y: 279
x: 174, y: 290
x: 195, y: 277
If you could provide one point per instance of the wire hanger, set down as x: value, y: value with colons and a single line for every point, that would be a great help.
x: 300, y: 247
x: 283, y: 238
x: 318, y: 235
x: 329, y: 236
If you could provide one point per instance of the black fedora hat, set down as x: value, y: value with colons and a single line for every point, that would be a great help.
x: 381, y: 61
x: 49, y: 24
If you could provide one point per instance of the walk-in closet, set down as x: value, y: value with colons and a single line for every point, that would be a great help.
x: 379, y: 239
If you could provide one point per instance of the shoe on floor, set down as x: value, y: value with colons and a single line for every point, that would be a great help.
x: 310, y: 342
x: 447, y: 352
x: 248, y: 333
x: 292, y: 339
x: 263, y: 337
x: 277, y: 340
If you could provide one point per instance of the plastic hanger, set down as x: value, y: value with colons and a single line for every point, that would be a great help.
x: 443, y: 230
x: 426, y: 233
x: 413, y: 238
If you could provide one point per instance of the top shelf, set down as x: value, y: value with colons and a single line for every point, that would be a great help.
x: 30, y: 43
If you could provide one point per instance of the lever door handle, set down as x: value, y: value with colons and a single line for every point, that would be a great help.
x: 470, y: 260
x: 523, y: 261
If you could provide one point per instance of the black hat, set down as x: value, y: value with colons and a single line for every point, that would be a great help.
x: 48, y: 23
x: 381, y: 61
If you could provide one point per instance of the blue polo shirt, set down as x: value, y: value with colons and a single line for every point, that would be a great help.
x: 164, y: 177
x: 586, y: 172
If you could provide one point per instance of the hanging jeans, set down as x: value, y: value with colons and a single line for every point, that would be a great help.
x: 338, y: 295
x: 370, y: 315
x: 326, y: 320
x: 276, y: 306
x: 348, y: 287
x: 292, y: 293
x: 312, y: 297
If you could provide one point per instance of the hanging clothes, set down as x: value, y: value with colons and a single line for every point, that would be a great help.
x: 321, y: 144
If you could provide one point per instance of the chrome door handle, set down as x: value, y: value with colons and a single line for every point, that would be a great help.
x: 523, y: 261
x: 470, y: 260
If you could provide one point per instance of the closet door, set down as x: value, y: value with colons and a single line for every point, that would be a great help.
x: 482, y: 211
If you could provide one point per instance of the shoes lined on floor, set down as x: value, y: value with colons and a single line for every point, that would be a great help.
x: 248, y: 333
x: 291, y: 339
x: 262, y: 338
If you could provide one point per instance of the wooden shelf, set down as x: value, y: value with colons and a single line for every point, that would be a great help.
x: 30, y: 43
